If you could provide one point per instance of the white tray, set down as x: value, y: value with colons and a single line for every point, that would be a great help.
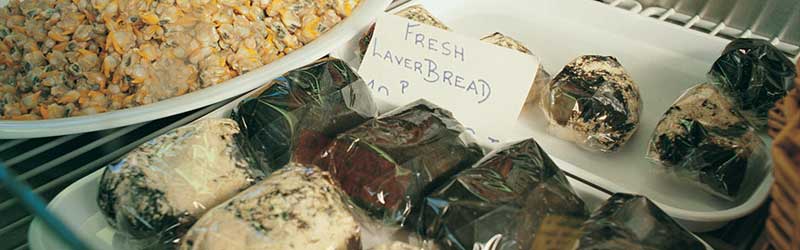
x: 77, y: 207
x: 663, y: 59
x: 341, y: 33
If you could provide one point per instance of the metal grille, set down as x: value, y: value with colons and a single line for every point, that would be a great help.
x: 720, y: 29
x: 51, y: 164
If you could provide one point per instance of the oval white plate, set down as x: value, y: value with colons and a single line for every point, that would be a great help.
x: 351, y: 27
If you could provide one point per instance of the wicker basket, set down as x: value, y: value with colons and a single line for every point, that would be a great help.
x: 783, y: 224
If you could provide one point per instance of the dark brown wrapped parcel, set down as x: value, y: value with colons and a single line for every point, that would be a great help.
x: 301, y: 112
x: 386, y: 164
x: 515, y: 197
x: 755, y: 75
x: 628, y: 221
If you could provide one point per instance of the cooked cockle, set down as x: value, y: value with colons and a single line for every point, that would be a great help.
x: 66, y: 58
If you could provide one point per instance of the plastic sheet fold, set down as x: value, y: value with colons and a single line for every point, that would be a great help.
x: 633, y: 222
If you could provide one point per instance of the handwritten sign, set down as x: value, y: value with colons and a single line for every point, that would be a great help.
x: 484, y: 85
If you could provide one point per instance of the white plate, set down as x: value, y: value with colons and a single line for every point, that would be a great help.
x: 77, y: 207
x: 663, y: 59
x: 341, y: 33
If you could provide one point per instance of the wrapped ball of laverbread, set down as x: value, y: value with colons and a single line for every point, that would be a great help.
x: 297, y: 207
x: 160, y: 188
x: 703, y: 138
x: 754, y: 74
x: 542, y: 77
x: 594, y: 103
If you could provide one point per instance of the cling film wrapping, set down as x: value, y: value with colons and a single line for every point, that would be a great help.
x: 163, y: 186
x: 754, y: 75
x: 515, y: 198
x: 387, y: 164
x: 703, y: 139
x: 294, y: 118
x: 297, y: 207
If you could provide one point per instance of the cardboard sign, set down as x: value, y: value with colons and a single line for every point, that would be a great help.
x: 484, y: 85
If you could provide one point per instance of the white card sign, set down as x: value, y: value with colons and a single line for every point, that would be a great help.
x: 484, y: 85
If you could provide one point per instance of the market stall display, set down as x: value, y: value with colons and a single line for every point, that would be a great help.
x: 410, y: 168
x: 755, y: 75
x: 704, y: 139
x: 300, y: 112
x: 387, y: 164
x: 160, y: 188
x: 594, y: 103
x: 297, y: 207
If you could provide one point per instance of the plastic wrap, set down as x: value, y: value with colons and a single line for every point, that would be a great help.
x: 755, y: 75
x: 703, y: 139
x: 301, y: 112
x: 387, y: 164
x: 297, y: 207
x: 594, y: 103
x: 415, y: 12
x: 160, y: 188
x: 515, y: 198
x: 628, y: 221
x: 542, y: 77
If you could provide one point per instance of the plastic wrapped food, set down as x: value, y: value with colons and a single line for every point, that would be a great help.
x: 542, y: 77
x: 702, y: 138
x: 415, y: 12
x: 297, y: 207
x: 302, y: 111
x: 628, y: 221
x: 755, y: 75
x: 594, y: 103
x: 386, y: 164
x: 515, y: 198
x: 160, y: 188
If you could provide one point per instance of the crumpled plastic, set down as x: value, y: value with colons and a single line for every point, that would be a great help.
x: 297, y: 207
x: 628, y: 221
x: 301, y: 112
x: 542, y: 77
x: 158, y: 190
x: 702, y: 138
x: 415, y: 13
x: 514, y: 198
x: 755, y: 75
x: 594, y: 103
x: 387, y: 164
